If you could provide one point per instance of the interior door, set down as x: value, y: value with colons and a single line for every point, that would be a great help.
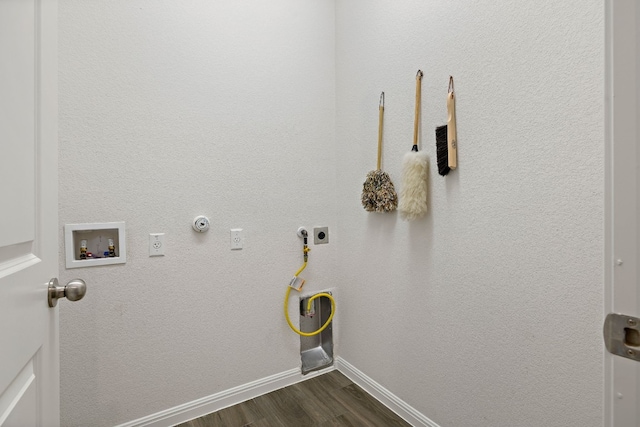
x: 622, y: 373
x: 29, y: 351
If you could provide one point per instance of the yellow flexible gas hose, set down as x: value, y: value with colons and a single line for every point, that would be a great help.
x: 322, y: 294
x: 301, y: 268
x: 323, y: 327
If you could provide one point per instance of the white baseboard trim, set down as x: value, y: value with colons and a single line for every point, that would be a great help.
x: 242, y: 393
x: 223, y: 399
x: 390, y: 400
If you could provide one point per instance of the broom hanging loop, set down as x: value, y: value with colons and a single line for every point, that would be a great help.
x: 381, y: 104
x: 419, y: 75
x: 450, y: 89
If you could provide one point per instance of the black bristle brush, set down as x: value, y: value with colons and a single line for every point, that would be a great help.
x: 442, y: 150
x: 447, y: 137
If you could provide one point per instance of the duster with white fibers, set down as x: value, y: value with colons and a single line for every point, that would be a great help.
x: 415, y: 169
x: 413, y: 193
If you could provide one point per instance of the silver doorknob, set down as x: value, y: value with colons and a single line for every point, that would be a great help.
x: 73, y: 291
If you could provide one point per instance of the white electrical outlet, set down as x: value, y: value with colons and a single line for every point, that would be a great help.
x: 156, y: 244
x: 237, y: 239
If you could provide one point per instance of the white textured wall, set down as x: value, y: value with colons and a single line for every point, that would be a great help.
x: 488, y: 312
x: 170, y: 109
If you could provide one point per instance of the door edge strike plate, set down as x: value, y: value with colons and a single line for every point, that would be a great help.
x: 622, y: 335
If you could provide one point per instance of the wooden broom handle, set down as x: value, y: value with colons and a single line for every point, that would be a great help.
x: 417, y: 114
x: 380, y: 116
x: 452, y: 132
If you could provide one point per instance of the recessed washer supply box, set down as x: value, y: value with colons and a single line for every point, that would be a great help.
x: 97, y: 237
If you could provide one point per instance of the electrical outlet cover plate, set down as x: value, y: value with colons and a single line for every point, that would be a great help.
x: 156, y: 244
x: 237, y: 239
x: 320, y: 235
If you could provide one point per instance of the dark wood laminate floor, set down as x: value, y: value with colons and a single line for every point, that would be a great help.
x: 328, y: 400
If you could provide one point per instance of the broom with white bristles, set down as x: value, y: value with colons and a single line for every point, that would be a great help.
x: 413, y: 194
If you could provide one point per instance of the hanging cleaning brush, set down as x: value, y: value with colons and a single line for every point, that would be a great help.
x: 378, y: 192
x: 447, y: 136
x: 413, y: 194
